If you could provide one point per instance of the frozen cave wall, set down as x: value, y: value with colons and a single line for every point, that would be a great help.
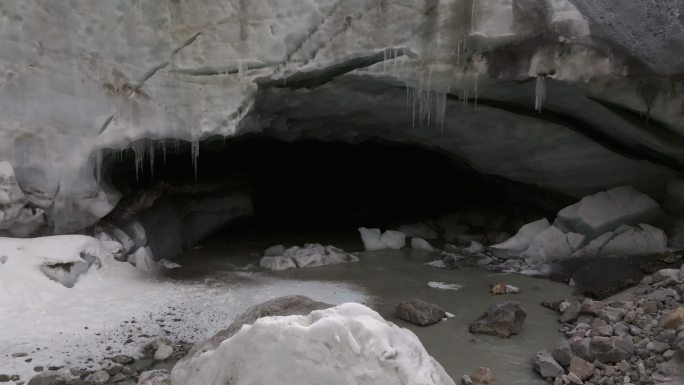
x: 573, y: 96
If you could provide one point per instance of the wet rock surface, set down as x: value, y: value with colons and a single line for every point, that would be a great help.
x: 419, y: 312
x: 502, y: 320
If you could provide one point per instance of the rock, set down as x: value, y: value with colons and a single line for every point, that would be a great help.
x: 581, y: 368
x: 4, y: 378
x: 123, y: 359
x: 603, y: 277
x: 611, y: 314
x: 466, y: 380
x: 421, y: 244
x: 606, y: 211
x: 514, y: 246
x: 591, y: 307
x: 98, y: 377
x: 482, y: 376
x: 581, y: 347
x: 562, y: 352
x: 502, y: 288
x: 665, y: 274
x: 611, y: 349
x: 152, y: 346
x: 419, y: 312
x: 546, y: 366
x: 571, y: 312
x: 50, y: 378
x: 164, y: 352
x: 154, y: 377
x: 282, y: 306
x: 501, y: 320
x: 674, y: 319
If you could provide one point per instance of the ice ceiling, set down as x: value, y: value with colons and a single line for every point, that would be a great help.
x: 573, y: 96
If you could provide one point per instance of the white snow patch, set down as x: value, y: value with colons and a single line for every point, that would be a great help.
x: 515, y: 245
x: 109, y: 304
x: 551, y: 245
x: 347, y: 344
x: 444, y: 285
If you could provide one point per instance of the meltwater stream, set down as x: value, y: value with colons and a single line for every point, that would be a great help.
x: 391, y: 276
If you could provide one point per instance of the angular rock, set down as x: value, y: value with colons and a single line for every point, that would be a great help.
x: 611, y: 349
x: 581, y: 368
x: 674, y: 319
x: 571, y: 313
x: 50, y: 378
x: 546, y: 366
x: 503, y: 320
x: 581, y: 347
x: 419, y: 312
x: 562, y: 352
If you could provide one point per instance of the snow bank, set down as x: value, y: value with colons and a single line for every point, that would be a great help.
x: 517, y: 244
x: 375, y: 239
x: 344, y: 345
x: 606, y: 211
x: 311, y: 255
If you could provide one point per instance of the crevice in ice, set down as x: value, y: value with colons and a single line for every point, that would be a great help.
x: 317, y: 78
x: 105, y: 124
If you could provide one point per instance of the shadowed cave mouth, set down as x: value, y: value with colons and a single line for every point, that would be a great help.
x: 255, y: 183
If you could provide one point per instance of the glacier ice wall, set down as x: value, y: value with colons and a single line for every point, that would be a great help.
x: 573, y: 95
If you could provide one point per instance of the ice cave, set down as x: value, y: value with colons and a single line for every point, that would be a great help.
x: 347, y: 192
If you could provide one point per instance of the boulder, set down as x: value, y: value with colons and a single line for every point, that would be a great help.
x: 551, y: 245
x: 562, y: 352
x: 339, y: 345
x: 517, y: 244
x: 274, y: 251
x: 581, y: 368
x: 419, y: 312
x: 546, y: 366
x: 503, y: 320
x: 421, y: 244
x: 606, y: 211
x: 611, y: 349
x: 98, y: 377
x: 674, y: 319
x: 50, y: 378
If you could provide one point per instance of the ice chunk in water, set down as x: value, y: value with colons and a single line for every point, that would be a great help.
x: 394, y: 240
x: 421, y: 244
x: 521, y: 240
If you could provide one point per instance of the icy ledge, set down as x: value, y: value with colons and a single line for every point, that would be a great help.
x: 347, y: 344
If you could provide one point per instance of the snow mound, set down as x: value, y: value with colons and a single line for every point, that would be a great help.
x: 520, y: 242
x: 606, y: 211
x: 375, y: 239
x: 49, y: 261
x: 346, y: 345
x: 311, y: 255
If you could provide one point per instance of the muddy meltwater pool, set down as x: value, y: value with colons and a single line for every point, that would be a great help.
x: 387, y: 277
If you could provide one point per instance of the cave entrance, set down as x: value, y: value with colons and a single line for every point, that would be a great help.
x: 305, y: 186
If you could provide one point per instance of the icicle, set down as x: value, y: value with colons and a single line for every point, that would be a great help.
x: 163, y: 145
x: 472, y: 18
x: 139, y: 154
x: 384, y: 61
x: 458, y: 52
x: 540, y: 93
x: 394, y: 64
x: 150, y: 151
x: 194, y: 152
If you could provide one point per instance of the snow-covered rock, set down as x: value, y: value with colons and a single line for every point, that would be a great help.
x: 420, y: 230
x: 310, y: 255
x: 347, y: 344
x: 421, y: 244
x: 606, y: 211
x: 38, y: 262
x: 517, y: 244
x: 551, y: 245
x: 625, y: 241
x: 375, y: 239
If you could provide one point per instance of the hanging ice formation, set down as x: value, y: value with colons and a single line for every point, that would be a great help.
x: 540, y: 93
